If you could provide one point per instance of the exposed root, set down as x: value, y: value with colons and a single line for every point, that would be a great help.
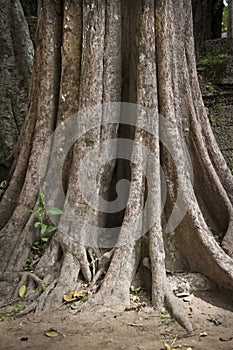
x: 103, y: 264
x: 26, y: 311
x: 26, y: 277
x: 227, y: 242
x: 10, y: 302
x: 199, y: 243
x: 177, y: 311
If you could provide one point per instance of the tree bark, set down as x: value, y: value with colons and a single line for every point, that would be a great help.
x: 16, y: 59
x: 207, y: 20
x: 230, y: 19
x: 98, y: 54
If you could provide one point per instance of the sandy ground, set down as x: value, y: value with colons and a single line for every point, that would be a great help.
x: 210, y: 312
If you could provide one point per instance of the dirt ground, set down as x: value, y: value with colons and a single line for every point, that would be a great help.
x: 210, y: 312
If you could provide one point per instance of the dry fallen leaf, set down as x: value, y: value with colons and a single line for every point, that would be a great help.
x: 69, y: 297
x: 167, y: 346
x: 80, y: 294
x: 72, y: 296
x: 129, y: 308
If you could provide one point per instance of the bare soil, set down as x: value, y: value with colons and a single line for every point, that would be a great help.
x: 211, y: 314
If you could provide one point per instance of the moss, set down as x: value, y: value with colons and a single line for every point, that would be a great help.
x: 210, y: 87
x: 211, y: 63
x: 219, y: 108
x: 9, y: 312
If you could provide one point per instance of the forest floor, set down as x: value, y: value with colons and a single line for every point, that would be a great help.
x: 210, y: 312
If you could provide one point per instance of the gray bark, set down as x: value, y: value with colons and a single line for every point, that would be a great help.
x: 16, y: 60
x: 141, y: 52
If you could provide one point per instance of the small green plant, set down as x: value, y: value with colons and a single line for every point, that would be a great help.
x: 219, y: 109
x: 27, y: 265
x: 137, y: 290
x: 42, y: 289
x: 230, y: 163
x: 41, y: 215
x: 9, y: 312
x: 41, y: 224
x: 210, y: 64
x: 218, y: 237
x: 210, y: 87
x: 212, y: 122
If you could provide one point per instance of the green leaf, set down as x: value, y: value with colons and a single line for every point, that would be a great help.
x: 36, y: 246
x: 73, y: 311
x: 42, y: 289
x: 51, y: 228
x: 55, y: 211
x: 43, y: 228
x: 37, y: 224
x: 52, y: 333
x: 76, y: 305
x: 44, y: 239
x: 39, y: 215
x: 22, y: 291
x: 41, y: 200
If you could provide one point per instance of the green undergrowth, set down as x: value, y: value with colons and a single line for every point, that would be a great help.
x: 44, y: 231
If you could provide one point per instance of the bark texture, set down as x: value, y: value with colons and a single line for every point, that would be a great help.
x: 230, y: 19
x: 101, y: 52
x: 207, y: 20
x: 16, y: 60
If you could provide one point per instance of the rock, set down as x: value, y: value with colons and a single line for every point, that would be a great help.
x: 184, y: 284
x: 215, y: 66
x: 217, y: 58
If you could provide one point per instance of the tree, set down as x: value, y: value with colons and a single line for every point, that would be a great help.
x: 100, y: 52
x: 230, y: 19
x: 16, y: 67
x: 207, y: 20
x: 30, y: 11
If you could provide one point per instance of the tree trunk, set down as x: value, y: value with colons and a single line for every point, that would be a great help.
x: 141, y: 53
x: 16, y: 67
x: 207, y: 20
x: 230, y: 19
